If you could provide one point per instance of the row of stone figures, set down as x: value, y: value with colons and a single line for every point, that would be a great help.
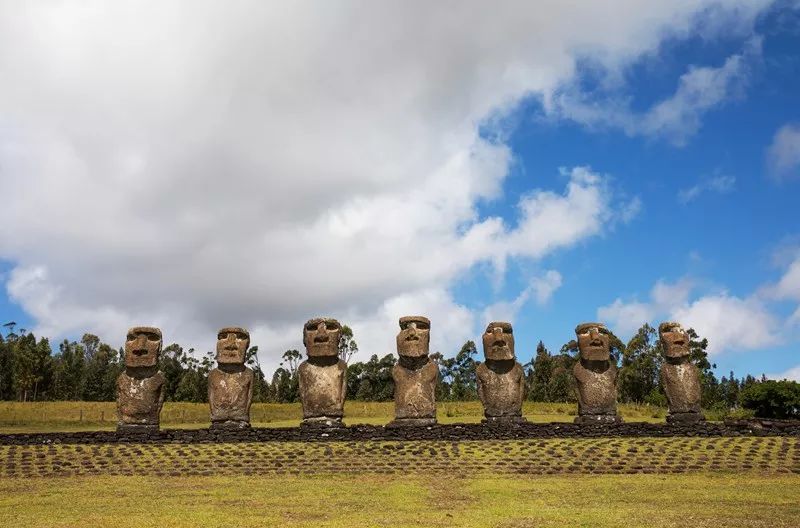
x: 500, y: 378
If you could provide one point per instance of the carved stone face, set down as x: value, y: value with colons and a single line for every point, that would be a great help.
x: 142, y: 346
x: 674, y: 340
x: 498, y: 341
x: 321, y: 337
x: 232, y: 345
x: 414, y: 337
x: 593, y: 341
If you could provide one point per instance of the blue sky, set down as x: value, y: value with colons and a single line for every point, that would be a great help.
x: 268, y: 178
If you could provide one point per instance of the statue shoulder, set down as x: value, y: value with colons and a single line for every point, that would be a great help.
x: 431, y: 370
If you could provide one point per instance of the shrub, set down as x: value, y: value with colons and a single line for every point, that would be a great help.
x: 773, y: 399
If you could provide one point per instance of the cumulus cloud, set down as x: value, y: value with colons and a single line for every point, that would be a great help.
x: 540, y: 288
x: 792, y: 374
x: 194, y: 166
x: 675, y: 118
x: 783, y: 154
x: 718, y: 184
x: 729, y: 322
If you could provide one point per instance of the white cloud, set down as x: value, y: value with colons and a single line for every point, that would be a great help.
x: 729, y: 322
x: 788, y: 286
x: 792, y: 374
x: 783, y: 154
x: 199, y: 166
x: 624, y: 318
x: 718, y: 184
x: 675, y: 118
x: 540, y: 288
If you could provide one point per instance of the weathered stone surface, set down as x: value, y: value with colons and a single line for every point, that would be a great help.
x: 140, y: 388
x: 440, y: 432
x: 323, y: 376
x: 596, y: 376
x: 501, y: 380
x: 230, y: 385
x: 679, y: 376
x: 321, y: 337
x: 415, y: 375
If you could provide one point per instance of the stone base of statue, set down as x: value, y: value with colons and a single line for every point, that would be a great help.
x: 411, y: 422
x: 137, y: 428
x: 322, y: 422
x: 685, y: 418
x: 504, y: 420
x: 595, y: 419
x: 229, y: 425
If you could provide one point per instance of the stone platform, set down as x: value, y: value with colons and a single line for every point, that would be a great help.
x: 445, y: 432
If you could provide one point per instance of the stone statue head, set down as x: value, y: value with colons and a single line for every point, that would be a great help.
x: 232, y: 345
x: 321, y: 337
x: 414, y: 337
x: 142, y: 346
x: 498, y: 341
x: 593, y: 341
x: 674, y: 340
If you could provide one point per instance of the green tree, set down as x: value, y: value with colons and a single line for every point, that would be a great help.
x: 459, y: 373
x: 374, y: 381
x: 102, y: 368
x: 539, y: 374
x: 347, y: 344
x: 639, y: 375
x: 69, y: 371
x: 773, y: 399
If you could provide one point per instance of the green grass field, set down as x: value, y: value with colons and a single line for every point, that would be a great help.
x: 592, y: 482
x: 697, y: 500
x: 17, y: 417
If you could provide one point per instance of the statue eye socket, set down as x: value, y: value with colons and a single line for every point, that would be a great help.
x: 311, y: 328
x: 241, y: 336
x: 422, y: 326
x: 331, y: 326
x: 153, y: 337
x: 131, y: 337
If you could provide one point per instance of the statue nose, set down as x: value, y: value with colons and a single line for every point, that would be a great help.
x: 497, y: 331
x: 412, y: 328
x: 593, y: 333
x: 141, y: 340
x: 321, y: 327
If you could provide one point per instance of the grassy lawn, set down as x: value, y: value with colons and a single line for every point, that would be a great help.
x: 700, y: 500
x: 16, y: 417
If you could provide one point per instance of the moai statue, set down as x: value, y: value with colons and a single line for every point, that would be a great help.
x: 415, y: 375
x: 323, y: 380
x: 679, y: 376
x: 230, y: 385
x: 140, y: 388
x: 501, y: 380
x: 596, y: 376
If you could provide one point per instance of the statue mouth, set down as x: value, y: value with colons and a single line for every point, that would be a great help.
x: 412, y: 338
x: 321, y: 339
x: 500, y: 344
x: 140, y: 352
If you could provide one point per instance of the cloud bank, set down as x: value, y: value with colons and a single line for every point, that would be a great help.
x: 197, y: 165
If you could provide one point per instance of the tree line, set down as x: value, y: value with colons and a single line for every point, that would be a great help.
x: 87, y: 370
